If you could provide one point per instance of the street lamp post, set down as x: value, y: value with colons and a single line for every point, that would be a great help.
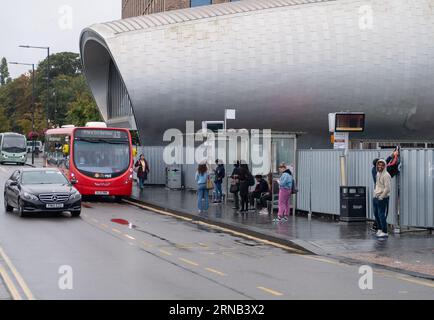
x: 33, y: 105
x: 48, y: 78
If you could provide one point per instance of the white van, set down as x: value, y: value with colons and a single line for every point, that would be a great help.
x: 38, y: 146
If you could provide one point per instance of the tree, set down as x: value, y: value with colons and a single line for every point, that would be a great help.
x: 4, y: 122
x: 83, y: 110
x: 4, y: 72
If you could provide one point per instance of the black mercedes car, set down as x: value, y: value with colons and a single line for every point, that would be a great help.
x: 37, y: 190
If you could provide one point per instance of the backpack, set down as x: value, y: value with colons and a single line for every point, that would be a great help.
x: 251, y: 180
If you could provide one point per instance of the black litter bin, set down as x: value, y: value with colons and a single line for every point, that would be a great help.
x: 353, y: 204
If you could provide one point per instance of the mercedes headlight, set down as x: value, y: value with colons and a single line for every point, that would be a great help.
x: 29, y: 196
x: 75, y: 196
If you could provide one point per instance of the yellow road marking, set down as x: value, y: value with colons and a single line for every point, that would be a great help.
x: 129, y: 237
x: 17, y: 275
x: 189, y: 262
x: 167, y: 253
x: 216, y: 272
x: 321, y: 260
x: 9, y: 284
x: 104, y: 225
x: 274, y: 293
x: 423, y: 283
x: 159, y: 211
x: 236, y: 233
x: 202, y: 244
x: 116, y: 230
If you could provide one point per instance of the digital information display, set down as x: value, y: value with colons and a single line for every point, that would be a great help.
x: 350, y: 122
x: 101, y: 134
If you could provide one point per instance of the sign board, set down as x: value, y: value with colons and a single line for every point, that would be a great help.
x: 230, y: 114
x: 100, y: 134
x: 341, y: 140
x: 349, y: 122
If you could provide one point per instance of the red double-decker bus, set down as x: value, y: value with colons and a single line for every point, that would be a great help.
x: 98, y: 160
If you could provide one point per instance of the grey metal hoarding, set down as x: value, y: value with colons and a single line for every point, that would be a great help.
x: 319, y: 180
x: 417, y: 188
x: 154, y: 156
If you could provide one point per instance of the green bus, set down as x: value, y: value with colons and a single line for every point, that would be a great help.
x: 13, y: 148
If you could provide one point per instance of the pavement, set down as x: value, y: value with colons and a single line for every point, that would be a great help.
x: 411, y: 253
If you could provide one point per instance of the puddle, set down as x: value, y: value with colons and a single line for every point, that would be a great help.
x: 124, y: 223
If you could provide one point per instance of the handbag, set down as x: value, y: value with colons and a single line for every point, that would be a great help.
x: 209, y: 184
x: 234, y: 188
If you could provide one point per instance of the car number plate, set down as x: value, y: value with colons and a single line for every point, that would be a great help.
x: 54, y: 205
x: 102, y: 193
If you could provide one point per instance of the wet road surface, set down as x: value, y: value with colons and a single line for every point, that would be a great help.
x: 152, y: 256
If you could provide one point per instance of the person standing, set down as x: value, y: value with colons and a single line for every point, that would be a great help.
x: 374, y: 178
x: 142, y: 168
x: 202, y: 190
x: 381, y: 197
x: 236, y: 185
x: 243, y: 176
x: 219, y: 174
x: 285, y: 189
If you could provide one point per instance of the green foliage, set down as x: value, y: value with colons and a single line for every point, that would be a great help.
x: 4, y: 72
x: 4, y: 122
x: 70, y: 99
x: 83, y: 110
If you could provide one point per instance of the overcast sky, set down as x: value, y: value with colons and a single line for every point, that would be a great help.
x: 53, y: 23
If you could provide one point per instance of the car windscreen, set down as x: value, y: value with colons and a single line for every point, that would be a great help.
x: 102, y: 158
x: 14, y: 144
x: 43, y: 177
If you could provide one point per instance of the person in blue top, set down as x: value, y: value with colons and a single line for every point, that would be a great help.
x: 285, y: 189
x: 202, y: 190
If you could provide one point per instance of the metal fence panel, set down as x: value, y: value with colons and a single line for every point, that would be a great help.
x: 326, y: 181
x: 319, y: 180
x: 303, y: 180
x: 154, y: 156
x: 417, y: 188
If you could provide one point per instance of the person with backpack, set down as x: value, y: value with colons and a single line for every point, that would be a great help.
x: 219, y: 174
x: 285, y: 190
x: 202, y: 187
x: 245, y: 178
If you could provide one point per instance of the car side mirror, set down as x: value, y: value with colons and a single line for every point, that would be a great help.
x: 74, y: 181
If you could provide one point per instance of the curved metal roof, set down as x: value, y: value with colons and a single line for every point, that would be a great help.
x: 202, y: 12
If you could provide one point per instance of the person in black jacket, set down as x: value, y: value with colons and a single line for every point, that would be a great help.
x: 219, y: 174
x: 235, y: 181
x: 243, y: 178
x: 260, y: 189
